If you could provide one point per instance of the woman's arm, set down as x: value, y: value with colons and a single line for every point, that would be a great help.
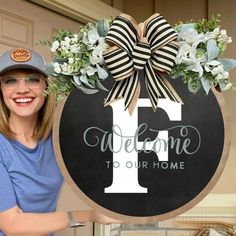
x: 13, y: 222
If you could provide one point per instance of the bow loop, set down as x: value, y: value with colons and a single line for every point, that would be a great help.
x: 158, y: 31
x: 123, y: 33
x: 163, y: 58
x: 149, y: 46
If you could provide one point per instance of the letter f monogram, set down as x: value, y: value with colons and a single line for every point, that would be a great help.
x: 125, y: 178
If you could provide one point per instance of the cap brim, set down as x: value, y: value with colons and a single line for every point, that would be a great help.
x: 22, y: 66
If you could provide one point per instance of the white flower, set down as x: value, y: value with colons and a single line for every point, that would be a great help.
x: 220, y: 77
x: 74, y: 48
x: 223, y: 37
x: 65, y: 48
x: 223, y: 32
x: 186, y: 54
x: 67, y: 39
x: 229, y: 40
x: 190, y: 35
x: 71, y: 60
x: 53, y: 49
x: 209, y: 66
x: 89, y: 70
x: 189, y: 56
x: 226, y: 74
x: 56, y: 67
x: 65, y: 43
x: 55, y: 46
x: 94, y: 59
x: 227, y: 87
x: 93, y: 36
x: 217, y: 70
x: 196, y: 67
x: 85, y: 38
x: 97, y: 56
x: 75, y: 38
x: 86, y: 41
x: 216, y: 31
x: 212, y: 35
x: 223, y: 75
x: 64, y: 67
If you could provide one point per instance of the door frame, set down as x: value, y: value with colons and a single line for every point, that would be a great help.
x: 80, y: 10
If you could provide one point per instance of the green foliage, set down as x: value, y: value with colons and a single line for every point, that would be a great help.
x: 61, y: 86
x: 204, y: 25
x: 198, y: 61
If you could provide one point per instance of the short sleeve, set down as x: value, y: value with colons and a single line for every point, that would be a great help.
x: 7, y: 194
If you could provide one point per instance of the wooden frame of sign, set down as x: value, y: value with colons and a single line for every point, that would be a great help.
x: 165, y: 216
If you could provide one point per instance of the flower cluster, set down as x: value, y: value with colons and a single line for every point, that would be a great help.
x: 77, y: 59
x: 198, y: 61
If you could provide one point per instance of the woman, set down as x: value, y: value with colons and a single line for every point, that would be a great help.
x: 29, y: 177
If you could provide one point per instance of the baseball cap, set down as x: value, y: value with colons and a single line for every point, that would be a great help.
x: 22, y: 58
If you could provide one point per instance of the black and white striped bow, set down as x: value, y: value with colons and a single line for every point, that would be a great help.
x: 150, y: 46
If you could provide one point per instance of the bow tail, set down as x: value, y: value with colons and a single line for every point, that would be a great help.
x: 128, y: 88
x: 158, y: 87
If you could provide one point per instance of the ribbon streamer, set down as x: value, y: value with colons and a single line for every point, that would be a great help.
x: 150, y: 46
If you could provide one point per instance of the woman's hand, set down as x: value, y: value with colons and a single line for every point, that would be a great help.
x: 94, y: 216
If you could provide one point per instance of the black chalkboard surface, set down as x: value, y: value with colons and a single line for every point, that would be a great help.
x: 196, y: 153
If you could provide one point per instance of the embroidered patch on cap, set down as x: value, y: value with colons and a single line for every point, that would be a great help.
x: 20, y: 55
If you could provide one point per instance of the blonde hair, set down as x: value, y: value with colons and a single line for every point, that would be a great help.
x: 45, y: 118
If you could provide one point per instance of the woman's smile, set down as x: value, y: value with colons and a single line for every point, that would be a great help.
x: 23, y: 101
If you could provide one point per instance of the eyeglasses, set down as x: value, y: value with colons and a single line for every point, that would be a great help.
x: 32, y: 81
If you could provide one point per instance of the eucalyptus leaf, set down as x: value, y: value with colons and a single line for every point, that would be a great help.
x: 76, y: 79
x: 227, y: 63
x: 206, y: 85
x: 185, y: 27
x: 65, y: 73
x: 102, y: 74
x: 99, y: 85
x: 75, y: 73
x: 49, y: 70
x: 103, y: 27
x: 59, y: 60
x: 85, y: 90
x: 84, y: 79
x: 212, y: 49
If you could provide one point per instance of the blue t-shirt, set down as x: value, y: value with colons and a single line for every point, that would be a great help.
x: 29, y: 177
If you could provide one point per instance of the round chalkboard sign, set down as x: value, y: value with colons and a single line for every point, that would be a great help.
x: 144, y: 166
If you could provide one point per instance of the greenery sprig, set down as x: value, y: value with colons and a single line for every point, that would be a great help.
x: 77, y: 59
x: 199, y: 62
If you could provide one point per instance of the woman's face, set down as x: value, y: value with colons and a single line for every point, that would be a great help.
x: 23, y: 92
